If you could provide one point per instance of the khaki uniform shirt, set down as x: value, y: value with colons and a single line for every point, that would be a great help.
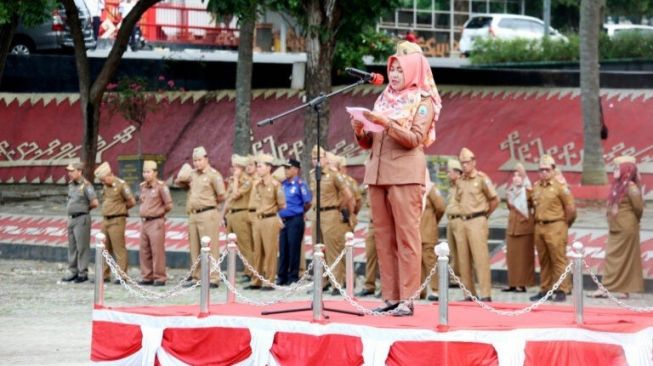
x: 270, y: 197
x: 80, y: 195
x: 115, y: 197
x: 206, y: 189
x: 239, y: 199
x: 474, y: 193
x: 332, y: 184
x: 551, y: 199
x: 355, y: 191
x: 154, y: 198
x: 453, y: 208
x: 433, y: 210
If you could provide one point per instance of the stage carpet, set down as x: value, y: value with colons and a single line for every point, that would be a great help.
x: 236, y: 334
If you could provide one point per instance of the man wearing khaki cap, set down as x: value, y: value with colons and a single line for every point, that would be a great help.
x: 117, y: 198
x: 205, y: 192
x: 477, y: 198
x: 81, y: 200
x: 270, y: 200
x: 237, y: 208
x: 155, y: 203
x: 555, y: 212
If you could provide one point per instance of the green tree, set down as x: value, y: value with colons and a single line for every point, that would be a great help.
x: 92, y: 91
x: 593, y: 162
x: 246, y: 11
x: 368, y: 42
x: 29, y: 12
x: 326, y: 23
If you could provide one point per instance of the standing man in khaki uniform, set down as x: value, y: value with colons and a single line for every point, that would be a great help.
x: 205, y: 192
x: 117, y: 198
x: 81, y: 200
x: 433, y: 211
x: 555, y: 212
x: 334, y: 196
x: 156, y: 202
x: 371, y: 259
x: 270, y: 200
x: 237, y: 208
x: 477, y: 198
x: 454, y: 223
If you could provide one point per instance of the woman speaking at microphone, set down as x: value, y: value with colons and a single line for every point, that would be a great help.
x: 407, y: 111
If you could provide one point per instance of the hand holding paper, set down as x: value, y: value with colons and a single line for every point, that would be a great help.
x: 369, y: 118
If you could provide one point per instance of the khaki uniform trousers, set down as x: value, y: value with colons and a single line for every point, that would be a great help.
x: 371, y: 261
x: 333, y: 235
x: 454, y: 231
x: 428, y: 261
x: 79, y: 239
x: 397, y: 211
x: 266, y: 248
x: 201, y: 224
x: 238, y: 223
x: 551, y: 245
x: 114, y: 230
x: 473, y: 250
x: 152, y: 254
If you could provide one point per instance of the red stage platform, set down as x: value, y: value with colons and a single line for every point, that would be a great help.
x: 236, y: 334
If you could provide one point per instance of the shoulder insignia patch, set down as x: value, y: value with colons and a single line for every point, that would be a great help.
x: 422, y: 110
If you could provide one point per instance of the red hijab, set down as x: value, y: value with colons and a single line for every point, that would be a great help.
x: 627, y: 174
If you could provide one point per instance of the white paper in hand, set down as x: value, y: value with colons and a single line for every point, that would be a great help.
x: 357, y: 113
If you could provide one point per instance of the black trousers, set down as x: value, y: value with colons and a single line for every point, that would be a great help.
x: 291, y: 238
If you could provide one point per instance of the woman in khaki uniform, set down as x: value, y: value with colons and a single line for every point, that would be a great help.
x: 623, y: 256
x: 520, y: 255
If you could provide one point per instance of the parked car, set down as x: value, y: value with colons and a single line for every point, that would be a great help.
x: 53, y: 34
x: 503, y: 26
x: 614, y: 30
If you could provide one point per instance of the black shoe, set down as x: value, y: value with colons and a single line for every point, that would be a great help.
x: 509, y: 289
x: 214, y: 285
x: 453, y: 285
x: 267, y: 288
x: 253, y: 287
x: 116, y: 282
x: 537, y: 296
x: 388, y: 306
x: 559, y: 296
x: 189, y: 283
x: 70, y: 277
x: 467, y: 298
x: 364, y: 292
x: 158, y: 283
x: 146, y: 282
x: 80, y: 279
x: 485, y: 299
x: 335, y: 292
x: 404, y: 309
x: 432, y: 297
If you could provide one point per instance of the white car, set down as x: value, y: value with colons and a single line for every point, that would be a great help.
x: 503, y: 26
x: 619, y: 29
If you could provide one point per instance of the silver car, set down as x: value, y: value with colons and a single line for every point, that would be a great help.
x: 53, y: 34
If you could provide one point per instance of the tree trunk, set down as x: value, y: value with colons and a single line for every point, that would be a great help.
x: 91, y: 116
x: 593, y: 162
x: 242, y: 138
x: 319, y: 53
x: 6, y: 36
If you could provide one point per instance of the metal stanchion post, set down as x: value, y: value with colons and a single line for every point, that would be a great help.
x: 204, y: 275
x: 578, y: 280
x: 231, y: 266
x: 318, y: 259
x: 442, y: 251
x: 99, y: 269
x: 349, y: 255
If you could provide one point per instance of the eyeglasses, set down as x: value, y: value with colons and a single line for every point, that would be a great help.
x: 545, y: 170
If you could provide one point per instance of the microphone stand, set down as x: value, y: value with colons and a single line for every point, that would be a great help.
x: 314, y: 104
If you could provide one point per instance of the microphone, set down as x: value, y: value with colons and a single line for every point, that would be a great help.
x: 370, y: 77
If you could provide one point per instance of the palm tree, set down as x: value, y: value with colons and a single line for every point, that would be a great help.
x: 593, y: 162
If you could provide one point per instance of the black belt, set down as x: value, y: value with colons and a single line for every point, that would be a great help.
x: 265, y: 216
x: 328, y: 208
x: 204, y: 209
x: 453, y: 217
x: 546, y: 222
x: 149, y: 218
x: 252, y: 210
x: 234, y: 210
x: 78, y: 214
x: 114, y: 216
x: 473, y: 216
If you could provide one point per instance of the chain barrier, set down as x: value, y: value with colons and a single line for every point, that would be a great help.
x: 606, y: 292
x: 139, y: 291
x: 328, y: 271
x: 525, y: 310
x: 215, y: 267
